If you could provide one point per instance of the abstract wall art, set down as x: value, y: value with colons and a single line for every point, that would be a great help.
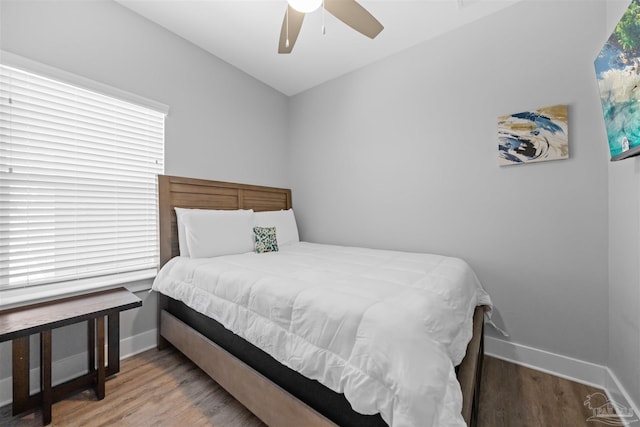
x: 533, y: 136
x: 618, y: 74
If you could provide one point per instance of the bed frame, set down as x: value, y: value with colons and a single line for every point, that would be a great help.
x: 267, y: 400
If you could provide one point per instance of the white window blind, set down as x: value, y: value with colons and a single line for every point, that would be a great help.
x: 78, y: 194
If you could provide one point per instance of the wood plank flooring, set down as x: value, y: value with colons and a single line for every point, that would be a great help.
x: 515, y: 396
x: 163, y: 388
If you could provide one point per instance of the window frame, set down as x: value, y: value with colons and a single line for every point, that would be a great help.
x: 134, y: 281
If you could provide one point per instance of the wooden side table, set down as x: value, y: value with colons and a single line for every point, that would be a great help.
x: 17, y: 324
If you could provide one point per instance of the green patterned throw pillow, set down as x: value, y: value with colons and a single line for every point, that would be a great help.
x: 265, y: 239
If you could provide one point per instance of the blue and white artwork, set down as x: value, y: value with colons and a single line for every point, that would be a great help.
x: 533, y: 136
x: 618, y: 74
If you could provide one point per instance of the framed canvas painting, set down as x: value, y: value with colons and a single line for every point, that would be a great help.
x: 618, y: 75
x: 533, y: 136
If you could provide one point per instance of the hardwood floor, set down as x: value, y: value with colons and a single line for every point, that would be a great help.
x: 163, y: 388
x: 154, y: 388
x: 515, y: 396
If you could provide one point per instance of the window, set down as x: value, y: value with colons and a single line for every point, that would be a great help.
x: 78, y: 191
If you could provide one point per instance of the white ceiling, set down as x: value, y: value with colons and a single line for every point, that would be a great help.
x: 245, y: 34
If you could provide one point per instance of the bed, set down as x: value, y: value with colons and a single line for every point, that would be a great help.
x: 275, y: 393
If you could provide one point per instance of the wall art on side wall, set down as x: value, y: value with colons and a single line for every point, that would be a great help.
x: 618, y: 74
x: 533, y: 136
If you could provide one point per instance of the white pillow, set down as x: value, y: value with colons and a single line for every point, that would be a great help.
x: 283, y: 221
x: 182, y: 236
x: 204, y: 233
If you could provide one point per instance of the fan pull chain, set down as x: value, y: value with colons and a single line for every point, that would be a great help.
x: 324, y: 29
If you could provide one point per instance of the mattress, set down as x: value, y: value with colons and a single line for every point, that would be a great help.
x: 384, y: 328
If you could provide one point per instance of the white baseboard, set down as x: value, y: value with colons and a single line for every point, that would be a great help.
x: 563, y: 366
x: 75, y: 365
x: 545, y: 361
x: 619, y: 394
x: 138, y: 343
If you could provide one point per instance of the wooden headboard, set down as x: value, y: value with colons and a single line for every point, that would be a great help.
x: 174, y: 191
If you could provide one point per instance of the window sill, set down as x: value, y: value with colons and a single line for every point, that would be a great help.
x: 134, y: 282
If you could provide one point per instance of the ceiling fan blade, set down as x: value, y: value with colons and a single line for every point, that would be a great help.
x: 293, y: 20
x: 351, y: 13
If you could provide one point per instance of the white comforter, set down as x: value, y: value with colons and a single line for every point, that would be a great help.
x: 385, y: 328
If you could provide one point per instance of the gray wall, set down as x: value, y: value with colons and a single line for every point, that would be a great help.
x: 222, y: 124
x: 403, y: 154
x: 624, y: 258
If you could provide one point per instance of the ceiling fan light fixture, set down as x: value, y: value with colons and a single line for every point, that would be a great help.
x: 348, y: 11
x: 305, y: 6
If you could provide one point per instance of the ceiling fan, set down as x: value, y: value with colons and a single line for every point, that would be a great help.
x: 348, y: 11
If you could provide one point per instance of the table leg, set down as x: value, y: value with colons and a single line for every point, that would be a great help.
x: 45, y: 375
x: 91, y: 344
x: 113, y: 343
x: 100, y: 390
x: 20, y: 351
